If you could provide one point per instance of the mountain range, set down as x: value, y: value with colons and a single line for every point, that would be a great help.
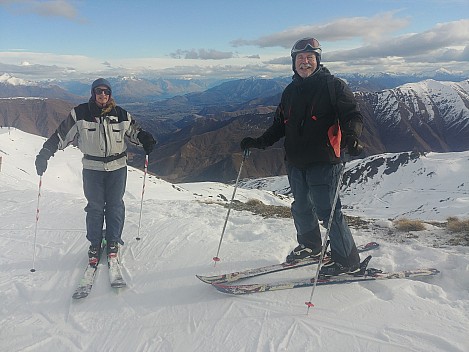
x: 199, y: 132
x: 421, y: 117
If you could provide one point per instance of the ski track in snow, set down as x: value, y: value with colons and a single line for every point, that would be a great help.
x: 165, y: 308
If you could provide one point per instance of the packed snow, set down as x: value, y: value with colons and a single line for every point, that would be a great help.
x: 166, y: 308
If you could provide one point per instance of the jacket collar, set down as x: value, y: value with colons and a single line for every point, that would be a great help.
x: 98, y: 111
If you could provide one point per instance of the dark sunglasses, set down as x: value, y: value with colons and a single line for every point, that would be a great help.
x: 306, y: 44
x: 98, y: 91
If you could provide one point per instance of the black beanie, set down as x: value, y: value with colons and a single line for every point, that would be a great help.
x: 97, y: 83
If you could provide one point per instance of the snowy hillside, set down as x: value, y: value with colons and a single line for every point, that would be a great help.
x: 166, y: 308
x: 431, y: 186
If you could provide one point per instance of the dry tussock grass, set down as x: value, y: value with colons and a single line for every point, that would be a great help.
x: 409, y: 225
x: 456, y: 225
x: 460, y: 230
x: 259, y: 208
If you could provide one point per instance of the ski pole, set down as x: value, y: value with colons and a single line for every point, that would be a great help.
x: 245, y: 154
x: 37, y: 219
x: 324, y: 244
x: 141, y: 201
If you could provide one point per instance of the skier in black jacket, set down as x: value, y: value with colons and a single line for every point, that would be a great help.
x: 317, y: 116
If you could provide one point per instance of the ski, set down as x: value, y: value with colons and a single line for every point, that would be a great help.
x: 115, y: 272
x: 87, y: 280
x: 367, y: 275
x: 235, y: 276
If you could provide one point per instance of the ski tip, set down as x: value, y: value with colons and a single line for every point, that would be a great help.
x: 202, y: 278
x: 221, y: 287
x: 119, y: 285
x: 372, y: 245
x: 80, y: 294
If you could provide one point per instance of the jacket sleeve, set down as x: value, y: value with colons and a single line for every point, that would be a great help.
x: 350, y: 117
x: 63, y: 135
x: 133, y: 130
x: 276, y: 130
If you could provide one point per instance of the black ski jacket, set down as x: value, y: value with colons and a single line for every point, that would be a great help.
x: 307, y: 118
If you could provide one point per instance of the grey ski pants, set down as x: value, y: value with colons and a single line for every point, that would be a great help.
x: 104, y: 191
x: 313, y: 191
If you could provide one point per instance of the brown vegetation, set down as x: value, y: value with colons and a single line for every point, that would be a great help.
x: 409, y: 225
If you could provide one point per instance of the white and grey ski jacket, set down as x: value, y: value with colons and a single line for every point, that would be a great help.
x: 100, y: 137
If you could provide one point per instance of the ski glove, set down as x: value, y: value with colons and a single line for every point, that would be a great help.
x: 350, y: 141
x: 41, y: 160
x: 249, y: 142
x: 147, y: 141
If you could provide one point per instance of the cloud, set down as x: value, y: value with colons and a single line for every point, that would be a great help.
x: 218, y: 71
x: 255, y: 56
x: 436, y: 42
x: 341, y: 29
x: 201, y: 54
x: 280, y: 61
x: 444, y: 45
x: 49, y: 8
x: 38, y: 66
x: 35, y: 71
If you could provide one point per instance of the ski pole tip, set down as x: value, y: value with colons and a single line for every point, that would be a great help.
x: 216, y: 259
x: 32, y: 270
x: 138, y: 238
x: 309, y: 304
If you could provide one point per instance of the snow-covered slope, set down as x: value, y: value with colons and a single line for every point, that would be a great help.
x: 165, y: 308
x: 431, y: 186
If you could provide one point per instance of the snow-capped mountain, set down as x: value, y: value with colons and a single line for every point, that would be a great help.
x: 424, y: 116
x: 378, y: 81
x: 12, y: 87
x: 6, y: 78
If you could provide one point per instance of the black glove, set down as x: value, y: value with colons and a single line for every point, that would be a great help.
x: 249, y: 142
x: 41, y: 160
x: 147, y: 141
x: 350, y: 141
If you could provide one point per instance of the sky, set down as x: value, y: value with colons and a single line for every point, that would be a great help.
x: 228, y: 39
x: 166, y: 308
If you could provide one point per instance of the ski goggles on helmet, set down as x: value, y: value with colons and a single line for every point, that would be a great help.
x: 306, y: 45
